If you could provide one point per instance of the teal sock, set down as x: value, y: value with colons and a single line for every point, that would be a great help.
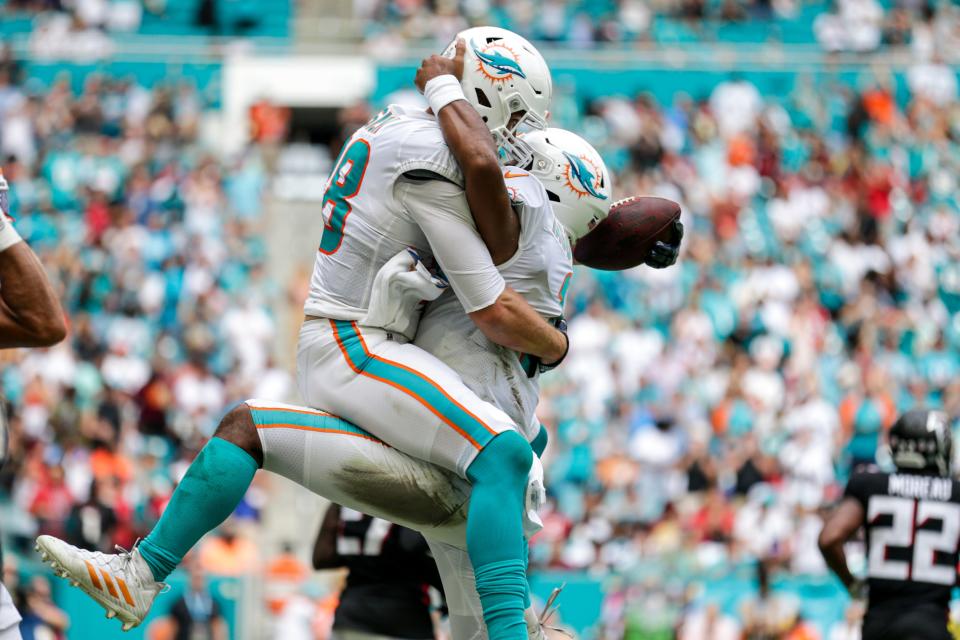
x: 209, y: 492
x: 502, y: 586
x: 495, y: 540
x: 526, y: 566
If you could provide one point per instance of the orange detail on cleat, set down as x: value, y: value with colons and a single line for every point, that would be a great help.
x: 93, y: 575
x: 112, y: 589
x: 125, y: 592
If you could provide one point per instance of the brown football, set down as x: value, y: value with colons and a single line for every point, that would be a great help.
x: 625, y: 237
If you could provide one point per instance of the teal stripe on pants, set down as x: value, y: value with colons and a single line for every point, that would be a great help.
x: 424, y: 390
x: 277, y: 416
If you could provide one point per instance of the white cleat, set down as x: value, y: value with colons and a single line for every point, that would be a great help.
x: 121, y: 583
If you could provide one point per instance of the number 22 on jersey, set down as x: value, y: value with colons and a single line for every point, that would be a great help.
x: 345, y: 182
x: 907, y: 517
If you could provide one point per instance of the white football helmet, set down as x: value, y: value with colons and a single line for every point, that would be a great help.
x: 575, y: 177
x: 503, y: 75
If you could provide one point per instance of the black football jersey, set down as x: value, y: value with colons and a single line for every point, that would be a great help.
x: 390, y: 571
x: 912, y: 525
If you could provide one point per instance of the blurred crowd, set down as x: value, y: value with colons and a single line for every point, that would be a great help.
x: 90, y: 29
x: 707, y: 412
x: 157, y: 253
x: 841, y: 25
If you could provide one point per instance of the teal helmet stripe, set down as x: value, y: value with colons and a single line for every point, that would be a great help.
x: 501, y: 63
x: 579, y: 170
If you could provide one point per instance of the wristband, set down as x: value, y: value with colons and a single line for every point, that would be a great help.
x: 441, y: 91
x: 8, y: 235
x: 544, y: 367
x: 561, y: 325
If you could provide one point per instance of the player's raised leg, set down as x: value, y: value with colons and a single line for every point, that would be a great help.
x: 351, y: 467
x: 414, y: 402
x: 322, y: 452
x: 463, y: 604
x: 126, y: 583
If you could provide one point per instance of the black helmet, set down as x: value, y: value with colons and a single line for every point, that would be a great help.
x: 920, y: 440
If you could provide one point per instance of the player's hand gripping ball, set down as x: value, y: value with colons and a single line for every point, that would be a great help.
x: 438, y: 65
x: 639, y: 230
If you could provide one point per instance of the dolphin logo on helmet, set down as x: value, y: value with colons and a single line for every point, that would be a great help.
x: 582, y: 174
x: 569, y: 168
x: 508, y: 82
x: 502, y: 66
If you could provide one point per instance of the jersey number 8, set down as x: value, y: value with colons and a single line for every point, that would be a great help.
x: 344, y: 184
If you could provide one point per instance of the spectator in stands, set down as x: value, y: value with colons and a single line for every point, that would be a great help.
x: 92, y: 523
x: 284, y: 575
x: 41, y: 617
x: 196, y: 614
x: 229, y: 553
x: 817, y: 296
x: 708, y: 623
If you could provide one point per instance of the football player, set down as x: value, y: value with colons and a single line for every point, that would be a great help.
x: 350, y: 466
x: 360, y: 369
x: 396, y: 184
x: 912, y: 522
x: 386, y: 594
x: 30, y: 316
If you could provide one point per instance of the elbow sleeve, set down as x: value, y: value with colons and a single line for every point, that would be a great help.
x: 441, y: 210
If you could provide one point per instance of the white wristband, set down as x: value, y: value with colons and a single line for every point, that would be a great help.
x: 8, y: 235
x: 441, y: 91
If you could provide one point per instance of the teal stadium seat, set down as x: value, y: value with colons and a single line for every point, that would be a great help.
x: 752, y: 32
x: 672, y: 31
x: 266, y: 19
x: 799, y: 30
x: 16, y: 23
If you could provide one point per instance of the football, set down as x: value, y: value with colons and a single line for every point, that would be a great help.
x: 625, y: 237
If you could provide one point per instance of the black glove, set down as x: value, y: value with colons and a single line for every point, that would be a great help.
x: 533, y: 365
x: 664, y: 254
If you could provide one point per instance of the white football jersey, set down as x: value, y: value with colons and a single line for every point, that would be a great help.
x: 540, y: 271
x: 9, y: 616
x: 365, y: 225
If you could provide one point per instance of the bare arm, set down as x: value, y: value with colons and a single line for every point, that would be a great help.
x: 472, y: 145
x: 325, y: 554
x: 496, y: 220
x: 513, y: 323
x: 840, y: 527
x: 30, y: 315
x: 49, y: 613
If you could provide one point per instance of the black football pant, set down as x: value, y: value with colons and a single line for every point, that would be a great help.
x: 923, y: 622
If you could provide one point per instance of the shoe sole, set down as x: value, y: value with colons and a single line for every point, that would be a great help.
x: 61, y: 572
